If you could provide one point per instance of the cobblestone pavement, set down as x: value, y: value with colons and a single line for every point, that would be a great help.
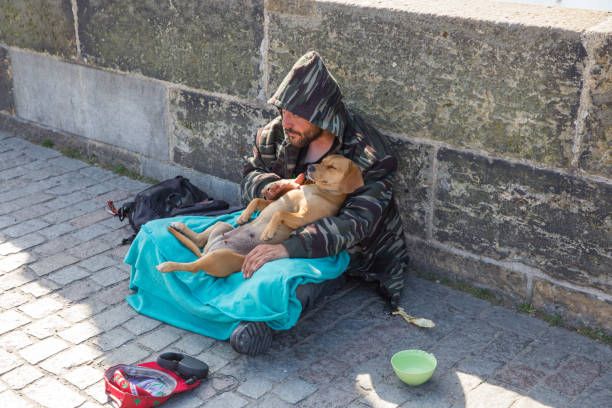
x: 64, y: 319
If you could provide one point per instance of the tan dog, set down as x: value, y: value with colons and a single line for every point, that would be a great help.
x: 225, y: 247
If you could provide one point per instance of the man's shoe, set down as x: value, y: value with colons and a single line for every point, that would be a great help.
x: 251, y: 338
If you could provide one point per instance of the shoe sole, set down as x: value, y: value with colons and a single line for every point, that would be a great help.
x: 251, y: 339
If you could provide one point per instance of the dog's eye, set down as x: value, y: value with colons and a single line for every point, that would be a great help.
x: 331, y: 167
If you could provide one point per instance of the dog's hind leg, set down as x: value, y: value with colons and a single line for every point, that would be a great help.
x: 219, y: 263
x: 202, y: 238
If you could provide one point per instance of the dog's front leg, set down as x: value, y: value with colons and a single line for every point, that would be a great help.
x: 292, y: 220
x: 257, y: 204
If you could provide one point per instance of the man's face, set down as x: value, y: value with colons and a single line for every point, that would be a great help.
x: 299, y: 131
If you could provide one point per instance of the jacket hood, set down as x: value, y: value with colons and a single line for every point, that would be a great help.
x: 310, y: 92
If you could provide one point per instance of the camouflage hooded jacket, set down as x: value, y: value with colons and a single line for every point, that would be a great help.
x: 367, y: 225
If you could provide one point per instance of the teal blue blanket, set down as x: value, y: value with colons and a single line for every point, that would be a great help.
x: 214, y: 306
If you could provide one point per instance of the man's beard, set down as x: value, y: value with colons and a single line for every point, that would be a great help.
x: 299, y: 139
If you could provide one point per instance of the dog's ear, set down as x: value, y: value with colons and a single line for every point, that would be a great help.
x: 352, y: 179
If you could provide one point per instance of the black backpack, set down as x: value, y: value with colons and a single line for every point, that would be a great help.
x: 168, y: 198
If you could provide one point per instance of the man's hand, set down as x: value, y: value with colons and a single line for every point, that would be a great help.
x: 280, y: 187
x: 260, y: 255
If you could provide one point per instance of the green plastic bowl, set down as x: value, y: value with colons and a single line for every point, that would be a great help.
x: 414, y: 367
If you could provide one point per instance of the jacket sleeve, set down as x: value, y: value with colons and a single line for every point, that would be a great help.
x: 356, y: 221
x: 257, y: 171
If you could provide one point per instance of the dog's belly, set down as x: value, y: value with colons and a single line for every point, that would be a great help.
x: 244, y: 238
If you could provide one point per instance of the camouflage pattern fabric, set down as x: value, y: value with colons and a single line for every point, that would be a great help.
x: 368, y: 225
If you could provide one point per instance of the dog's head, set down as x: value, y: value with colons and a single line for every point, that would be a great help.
x: 336, y: 174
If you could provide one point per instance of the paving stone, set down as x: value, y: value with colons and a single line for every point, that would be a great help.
x: 483, y: 367
x: 141, y: 324
x: 22, y: 376
x: 97, y: 173
x: 90, y: 232
x: 57, y: 230
x: 214, y: 361
x: 24, y: 228
x: 80, y: 332
x: 114, y: 316
x: 12, y: 400
x: 14, y: 341
x: 79, y: 290
x: 573, y: 376
x: 91, y: 218
x: 40, y: 287
x: 255, y: 387
x: 127, y: 354
x: 324, y: 371
x: 46, y: 327
x: 53, y: 394
x: 41, y: 307
x: 11, y: 320
x: 95, y: 263
x: 97, y: 392
x: 89, y: 249
x: 49, y: 264
x: 8, y: 361
x: 330, y: 396
x: 84, y: 376
x: 520, y: 376
x: 184, y: 400
x: 109, y: 276
x: 576, y: 344
x: 12, y: 299
x: 488, y: 395
x: 547, y: 396
x: 82, y: 311
x: 21, y: 243
x: 11, y: 263
x: 224, y: 349
x: 113, y: 295
x: 69, y: 274
x: 192, y: 344
x: 294, y: 390
x: 7, y: 220
x: 599, y: 397
x: 226, y: 400
x: 518, y: 323
x: 43, y: 349
x: 73, y: 357
x: 161, y: 338
x: 113, y: 339
x: 506, y: 346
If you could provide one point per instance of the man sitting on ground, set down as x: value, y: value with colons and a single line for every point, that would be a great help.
x: 314, y: 123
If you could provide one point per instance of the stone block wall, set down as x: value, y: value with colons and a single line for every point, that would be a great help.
x: 500, y: 115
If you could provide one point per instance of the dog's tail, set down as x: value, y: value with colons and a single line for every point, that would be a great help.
x: 186, y: 241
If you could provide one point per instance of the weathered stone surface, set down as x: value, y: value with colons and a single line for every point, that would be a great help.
x: 103, y: 106
x: 41, y: 25
x: 429, y: 260
x: 557, y: 223
x: 207, y: 128
x: 596, y: 154
x: 466, y: 77
x: 412, y: 184
x: 212, y: 45
x: 114, y: 156
x: 576, y: 308
x: 6, y: 82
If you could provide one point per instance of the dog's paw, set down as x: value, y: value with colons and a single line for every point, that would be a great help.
x: 243, y: 219
x: 267, y: 234
x: 177, y: 225
x: 163, y: 267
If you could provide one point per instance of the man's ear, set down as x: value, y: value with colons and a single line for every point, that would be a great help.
x: 352, y: 179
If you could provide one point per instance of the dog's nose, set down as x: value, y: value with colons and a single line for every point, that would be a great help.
x: 311, y: 168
